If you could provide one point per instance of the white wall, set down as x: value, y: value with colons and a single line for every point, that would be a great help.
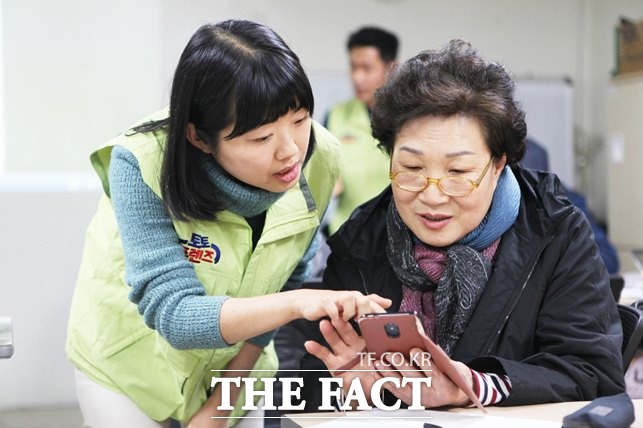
x: 76, y: 73
x: 2, y: 97
x: 42, y: 233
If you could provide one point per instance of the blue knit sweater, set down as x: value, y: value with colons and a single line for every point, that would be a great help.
x: 163, y: 282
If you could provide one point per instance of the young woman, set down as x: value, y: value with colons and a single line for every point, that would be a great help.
x: 499, y: 265
x: 208, y: 210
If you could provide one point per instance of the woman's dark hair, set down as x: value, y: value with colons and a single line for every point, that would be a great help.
x: 455, y: 80
x: 234, y: 72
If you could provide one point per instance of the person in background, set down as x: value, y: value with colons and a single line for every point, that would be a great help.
x: 209, y: 208
x: 537, y: 158
x: 498, y: 264
x: 363, y: 167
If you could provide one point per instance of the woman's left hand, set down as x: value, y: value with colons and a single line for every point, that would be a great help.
x: 240, y: 365
x: 442, y: 391
x: 344, y: 342
x: 345, y: 345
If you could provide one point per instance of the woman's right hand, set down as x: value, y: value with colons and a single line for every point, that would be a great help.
x: 344, y: 305
x: 346, y: 347
x: 277, y: 309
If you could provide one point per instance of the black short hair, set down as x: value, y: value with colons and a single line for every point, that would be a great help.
x: 455, y: 80
x: 235, y: 72
x: 384, y: 41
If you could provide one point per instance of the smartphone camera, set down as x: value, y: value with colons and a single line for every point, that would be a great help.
x: 392, y: 330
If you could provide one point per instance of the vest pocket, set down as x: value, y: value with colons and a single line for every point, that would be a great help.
x: 182, y: 363
x: 121, y: 325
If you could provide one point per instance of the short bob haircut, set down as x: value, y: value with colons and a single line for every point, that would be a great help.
x: 234, y: 72
x: 454, y: 80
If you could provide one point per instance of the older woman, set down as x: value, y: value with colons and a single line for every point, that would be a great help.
x: 499, y: 265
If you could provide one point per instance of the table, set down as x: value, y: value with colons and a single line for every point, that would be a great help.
x: 550, y: 412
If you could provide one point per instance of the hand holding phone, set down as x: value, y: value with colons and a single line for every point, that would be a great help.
x: 390, y: 333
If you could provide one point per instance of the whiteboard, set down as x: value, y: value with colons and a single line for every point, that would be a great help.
x: 548, y: 104
x: 549, y: 112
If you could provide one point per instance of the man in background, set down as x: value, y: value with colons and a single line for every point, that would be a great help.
x: 363, y: 167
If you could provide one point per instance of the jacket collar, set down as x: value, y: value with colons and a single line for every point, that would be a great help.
x: 543, y: 209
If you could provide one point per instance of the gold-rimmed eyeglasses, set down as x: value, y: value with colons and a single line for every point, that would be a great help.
x: 452, y: 186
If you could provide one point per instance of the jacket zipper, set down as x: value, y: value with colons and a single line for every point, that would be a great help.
x: 359, y: 271
x: 515, y: 302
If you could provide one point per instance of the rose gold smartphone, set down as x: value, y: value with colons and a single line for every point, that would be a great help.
x: 403, y: 331
x: 392, y: 332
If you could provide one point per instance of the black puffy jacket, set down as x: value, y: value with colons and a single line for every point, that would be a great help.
x: 546, y: 317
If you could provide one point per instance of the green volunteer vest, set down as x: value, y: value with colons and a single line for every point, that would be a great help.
x: 107, y: 338
x: 363, y: 168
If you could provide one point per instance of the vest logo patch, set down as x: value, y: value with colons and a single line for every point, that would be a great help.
x: 199, y: 249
